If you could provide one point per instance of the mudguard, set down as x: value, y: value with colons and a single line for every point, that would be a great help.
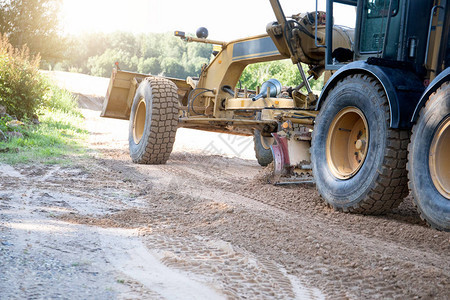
x: 402, y: 87
x: 432, y: 87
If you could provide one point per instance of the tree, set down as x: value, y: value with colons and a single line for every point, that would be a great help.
x: 151, y: 53
x: 102, y: 65
x: 33, y: 23
x: 124, y: 41
x: 172, y: 68
x: 149, y: 65
x: 283, y: 70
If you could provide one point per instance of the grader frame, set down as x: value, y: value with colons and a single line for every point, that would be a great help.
x: 355, y: 138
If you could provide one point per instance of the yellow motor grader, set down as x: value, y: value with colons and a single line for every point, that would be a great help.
x: 382, y: 119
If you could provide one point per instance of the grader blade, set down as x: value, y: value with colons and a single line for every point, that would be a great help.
x: 285, y: 172
x: 282, y: 166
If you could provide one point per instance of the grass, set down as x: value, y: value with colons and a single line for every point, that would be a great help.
x: 56, y: 140
x: 24, y: 93
x: 60, y: 99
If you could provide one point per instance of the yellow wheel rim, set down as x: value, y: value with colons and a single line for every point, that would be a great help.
x: 347, y: 143
x: 139, y: 121
x: 266, y: 141
x: 439, y: 158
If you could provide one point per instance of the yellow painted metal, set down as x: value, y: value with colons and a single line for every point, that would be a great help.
x: 205, y: 41
x: 139, y: 121
x: 297, y: 116
x: 308, y: 52
x: 299, y: 152
x: 226, y: 69
x: 247, y: 103
x: 347, y: 143
x: 439, y: 161
x: 206, y: 120
x: 436, y: 37
x: 122, y: 88
x: 266, y: 141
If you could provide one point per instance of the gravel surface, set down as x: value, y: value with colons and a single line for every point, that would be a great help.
x: 203, y: 226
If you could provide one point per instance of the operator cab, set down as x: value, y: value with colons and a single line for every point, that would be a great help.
x: 392, y: 33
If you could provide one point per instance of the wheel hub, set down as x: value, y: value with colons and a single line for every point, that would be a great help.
x: 347, y: 143
x: 360, y: 144
x: 439, y: 161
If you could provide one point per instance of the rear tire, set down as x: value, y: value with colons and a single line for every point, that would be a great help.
x: 263, y: 152
x: 358, y: 161
x: 153, y: 121
x: 429, y: 160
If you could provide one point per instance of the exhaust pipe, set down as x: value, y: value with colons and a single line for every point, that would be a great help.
x: 273, y: 85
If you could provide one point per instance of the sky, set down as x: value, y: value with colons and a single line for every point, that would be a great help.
x: 227, y: 20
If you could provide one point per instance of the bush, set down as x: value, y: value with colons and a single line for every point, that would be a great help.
x: 59, y: 133
x: 22, y: 87
x: 24, y: 90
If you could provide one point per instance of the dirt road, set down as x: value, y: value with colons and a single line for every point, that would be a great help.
x: 203, y: 226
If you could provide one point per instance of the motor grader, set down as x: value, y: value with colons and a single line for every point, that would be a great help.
x: 380, y: 127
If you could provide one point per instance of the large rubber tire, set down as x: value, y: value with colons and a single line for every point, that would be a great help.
x: 262, y: 144
x: 378, y: 183
x: 153, y: 121
x: 429, y: 160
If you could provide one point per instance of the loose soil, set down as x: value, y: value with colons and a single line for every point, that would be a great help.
x: 206, y: 225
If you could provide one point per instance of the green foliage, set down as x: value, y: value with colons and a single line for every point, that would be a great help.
x: 152, y: 53
x: 34, y: 23
x: 101, y: 65
x: 3, y: 127
x: 172, y: 67
x: 6, y: 126
x: 22, y: 87
x: 162, y: 54
x: 25, y: 92
x: 59, y: 135
x: 149, y: 65
x: 58, y: 99
x: 283, y: 70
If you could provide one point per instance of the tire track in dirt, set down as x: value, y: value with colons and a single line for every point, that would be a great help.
x: 390, y: 245
x: 41, y: 257
x: 212, y: 216
x: 347, y: 256
x: 336, y: 275
x: 236, y: 273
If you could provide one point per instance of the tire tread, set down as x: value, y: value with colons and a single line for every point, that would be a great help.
x: 164, y: 121
x: 410, y: 163
x: 390, y: 188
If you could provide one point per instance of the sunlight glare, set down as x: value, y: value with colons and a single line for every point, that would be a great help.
x: 236, y: 19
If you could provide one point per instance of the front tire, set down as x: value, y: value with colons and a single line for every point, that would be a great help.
x: 263, y: 152
x: 429, y: 160
x: 358, y: 161
x: 153, y: 121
